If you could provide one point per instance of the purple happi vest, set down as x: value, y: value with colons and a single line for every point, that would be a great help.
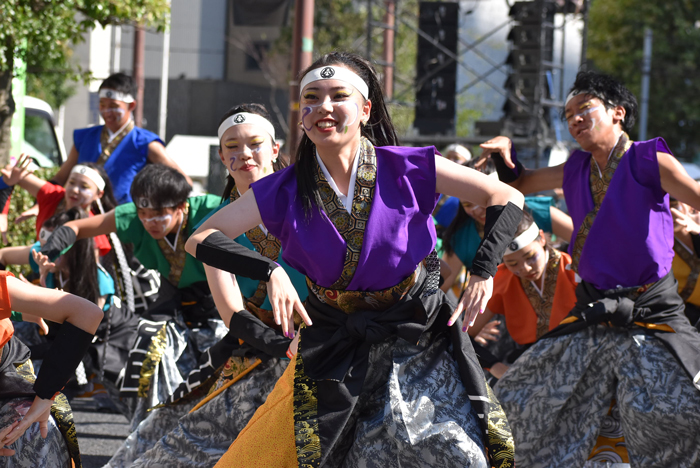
x: 631, y: 240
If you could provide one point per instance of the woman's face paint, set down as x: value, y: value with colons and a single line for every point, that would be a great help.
x: 529, y: 262
x: 247, y: 152
x: 330, y: 104
x: 80, y: 191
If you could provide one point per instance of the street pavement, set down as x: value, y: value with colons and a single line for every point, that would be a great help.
x: 99, y: 434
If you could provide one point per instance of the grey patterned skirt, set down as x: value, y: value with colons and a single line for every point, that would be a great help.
x: 31, y: 451
x: 557, y: 394
x: 172, y: 436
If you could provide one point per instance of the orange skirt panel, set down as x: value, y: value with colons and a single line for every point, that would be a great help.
x: 6, y: 328
x: 268, y: 439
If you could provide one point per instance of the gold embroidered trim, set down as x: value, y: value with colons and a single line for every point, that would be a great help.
x: 234, y: 370
x: 176, y: 258
x: 543, y: 305
x: 108, y: 147
x: 693, y: 263
x: 599, y: 186
x: 306, y: 436
x: 352, y: 301
x: 154, y: 354
x: 351, y: 226
x: 500, y: 444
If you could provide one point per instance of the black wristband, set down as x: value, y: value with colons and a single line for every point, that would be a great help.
x: 5, y: 196
x: 505, y: 173
x: 66, y: 352
x: 253, y: 331
x: 221, y: 252
x: 499, y: 229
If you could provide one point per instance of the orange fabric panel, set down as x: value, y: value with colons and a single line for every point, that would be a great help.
x: 268, y: 440
x: 6, y: 328
x: 509, y: 299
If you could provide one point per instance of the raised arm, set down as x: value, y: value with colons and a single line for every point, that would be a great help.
x: 562, y: 224
x: 19, y: 174
x: 62, y: 175
x: 66, y: 235
x: 676, y: 181
x: 525, y: 180
x: 157, y: 155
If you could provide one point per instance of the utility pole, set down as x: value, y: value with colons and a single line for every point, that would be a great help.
x: 388, y: 54
x: 164, y: 73
x: 139, y: 52
x: 646, y: 70
x: 302, y: 47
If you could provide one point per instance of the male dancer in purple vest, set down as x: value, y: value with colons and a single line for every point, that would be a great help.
x: 626, y: 354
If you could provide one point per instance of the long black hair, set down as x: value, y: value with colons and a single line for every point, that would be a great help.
x: 79, y: 263
x: 379, y: 129
x: 251, y: 108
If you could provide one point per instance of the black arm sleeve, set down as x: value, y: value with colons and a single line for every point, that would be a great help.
x: 60, y: 362
x: 253, y: 331
x: 59, y: 240
x: 221, y: 252
x: 505, y: 173
x: 501, y: 224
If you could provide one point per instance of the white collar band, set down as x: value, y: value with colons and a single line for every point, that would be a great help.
x: 524, y: 239
x: 335, y: 73
x: 91, y: 174
x: 116, y: 95
x: 246, y: 118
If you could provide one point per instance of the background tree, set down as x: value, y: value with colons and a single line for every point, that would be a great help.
x: 616, y: 37
x: 42, y: 32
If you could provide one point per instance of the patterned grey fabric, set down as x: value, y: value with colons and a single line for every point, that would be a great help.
x: 31, y: 451
x: 413, y: 412
x: 179, y: 439
x: 557, y: 394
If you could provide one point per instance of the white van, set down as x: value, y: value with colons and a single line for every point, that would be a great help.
x: 41, y: 139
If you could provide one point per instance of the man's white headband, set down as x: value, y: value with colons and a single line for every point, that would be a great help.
x: 91, y: 174
x: 524, y: 239
x: 116, y: 95
x: 336, y: 73
x: 571, y: 95
x: 246, y: 118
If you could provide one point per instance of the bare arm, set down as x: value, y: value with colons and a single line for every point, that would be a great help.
x: 62, y: 175
x: 94, y: 225
x: 226, y: 293
x: 19, y: 174
x: 676, y: 181
x: 157, y: 155
x: 15, y: 255
x: 530, y: 181
x: 54, y: 305
x: 562, y: 224
x: 480, y: 322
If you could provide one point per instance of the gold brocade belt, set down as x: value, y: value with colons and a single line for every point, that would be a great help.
x: 353, y: 301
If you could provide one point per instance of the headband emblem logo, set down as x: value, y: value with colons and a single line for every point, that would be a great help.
x: 144, y: 203
x: 327, y: 72
x: 82, y: 170
x: 239, y: 118
x: 109, y: 94
x: 513, y: 246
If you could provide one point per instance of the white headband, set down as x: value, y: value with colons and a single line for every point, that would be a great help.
x: 524, y: 239
x: 571, y: 95
x: 335, y: 73
x: 146, y: 203
x: 247, y: 118
x: 116, y: 95
x: 91, y: 174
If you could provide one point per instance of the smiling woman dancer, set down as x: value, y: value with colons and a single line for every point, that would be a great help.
x: 381, y: 377
x: 627, y: 338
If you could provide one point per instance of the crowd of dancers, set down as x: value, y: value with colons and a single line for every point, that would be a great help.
x: 350, y: 310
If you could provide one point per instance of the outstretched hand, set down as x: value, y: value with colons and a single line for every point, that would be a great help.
x: 285, y: 300
x: 500, y: 145
x: 473, y: 301
x: 38, y: 412
x: 11, y: 175
x: 489, y: 332
x: 30, y: 213
x: 686, y: 221
x: 46, y: 266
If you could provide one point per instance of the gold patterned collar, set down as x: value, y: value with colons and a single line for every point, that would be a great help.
x: 351, y: 226
x: 176, y: 257
x: 542, y: 301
